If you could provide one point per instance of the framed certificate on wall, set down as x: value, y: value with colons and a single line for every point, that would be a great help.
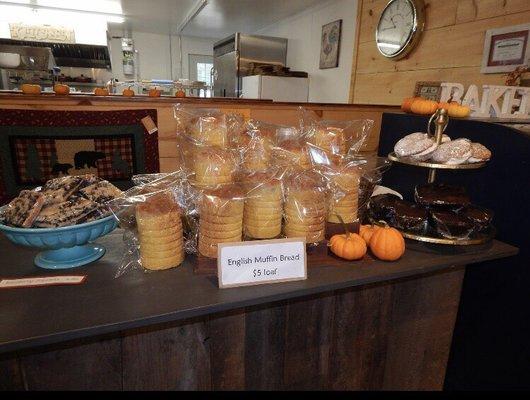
x: 506, y: 49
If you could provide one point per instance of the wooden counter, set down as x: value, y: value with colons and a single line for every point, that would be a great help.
x: 264, y: 110
x: 350, y: 325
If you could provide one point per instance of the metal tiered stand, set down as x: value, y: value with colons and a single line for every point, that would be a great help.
x: 441, y: 120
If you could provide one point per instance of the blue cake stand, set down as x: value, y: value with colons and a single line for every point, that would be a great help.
x: 65, y: 247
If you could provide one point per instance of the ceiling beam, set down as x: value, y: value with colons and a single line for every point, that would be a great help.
x: 195, y: 10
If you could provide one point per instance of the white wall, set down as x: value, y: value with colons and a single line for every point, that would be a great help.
x: 156, y: 59
x: 303, y: 31
x: 190, y: 45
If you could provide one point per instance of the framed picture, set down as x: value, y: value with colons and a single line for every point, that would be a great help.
x: 330, y: 44
x: 506, y: 49
x: 428, y: 90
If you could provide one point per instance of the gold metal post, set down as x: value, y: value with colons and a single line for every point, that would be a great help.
x: 441, y: 121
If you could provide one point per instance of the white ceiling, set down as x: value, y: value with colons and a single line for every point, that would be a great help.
x: 218, y: 19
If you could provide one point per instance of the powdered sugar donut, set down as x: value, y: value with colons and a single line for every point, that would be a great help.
x: 415, y: 143
x: 454, y: 152
x: 480, y: 153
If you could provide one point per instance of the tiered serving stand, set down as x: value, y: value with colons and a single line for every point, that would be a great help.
x: 441, y: 120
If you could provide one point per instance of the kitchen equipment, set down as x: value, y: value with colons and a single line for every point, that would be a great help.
x: 236, y: 56
x: 65, y: 247
x: 276, y: 88
x: 69, y: 54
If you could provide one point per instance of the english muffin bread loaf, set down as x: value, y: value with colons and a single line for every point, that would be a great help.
x: 331, y: 139
x: 344, y: 199
x: 293, y: 152
x: 160, y: 232
x: 220, y: 218
x: 213, y: 166
x: 210, y: 130
x: 305, y: 210
x: 263, y: 206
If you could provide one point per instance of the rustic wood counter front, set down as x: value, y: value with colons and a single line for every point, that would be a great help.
x: 360, y: 325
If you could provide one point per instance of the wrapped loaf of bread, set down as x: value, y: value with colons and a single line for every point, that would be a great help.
x: 305, y: 207
x: 160, y: 232
x: 263, y: 206
x: 220, y: 218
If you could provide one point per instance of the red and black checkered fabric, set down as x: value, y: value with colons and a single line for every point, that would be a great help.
x: 42, y: 159
x: 118, y: 161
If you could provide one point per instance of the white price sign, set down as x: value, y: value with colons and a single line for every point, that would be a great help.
x: 263, y: 261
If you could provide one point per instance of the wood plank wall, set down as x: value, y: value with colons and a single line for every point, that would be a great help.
x: 450, y: 49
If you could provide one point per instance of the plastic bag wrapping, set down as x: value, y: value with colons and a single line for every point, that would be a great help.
x: 344, y: 181
x: 208, y: 126
x: 263, y: 211
x: 255, y: 145
x: 306, y: 202
x: 154, y: 218
x: 64, y: 201
x: 351, y: 179
x: 292, y: 153
x: 220, y: 217
x: 372, y: 169
x: 336, y: 138
x: 208, y: 165
x: 143, y: 179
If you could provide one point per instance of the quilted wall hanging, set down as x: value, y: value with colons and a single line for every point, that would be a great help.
x: 40, y: 145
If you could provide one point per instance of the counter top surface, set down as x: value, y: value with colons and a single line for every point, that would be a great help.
x: 104, y: 304
x: 11, y: 97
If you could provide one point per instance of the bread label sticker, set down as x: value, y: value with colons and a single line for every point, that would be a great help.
x: 261, y: 261
x: 42, y: 281
x: 149, y: 124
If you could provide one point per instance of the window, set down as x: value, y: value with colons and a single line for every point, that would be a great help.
x: 203, y: 73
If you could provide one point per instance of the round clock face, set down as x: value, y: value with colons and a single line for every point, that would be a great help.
x: 396, y: 26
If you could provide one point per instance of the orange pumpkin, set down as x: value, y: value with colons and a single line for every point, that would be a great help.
x: 423, y: 106
x: 180, y: 93
x: 444, y: 104
x: 366, y: 232
x: 458, y: 110
x: 407, y: 102
x: 387, y: 244
x: 154, y: 92
x: 28, y: 88
x: 349, y: 246
x: 61, y: 89
x: 128, y: 92
x: 101, y: 91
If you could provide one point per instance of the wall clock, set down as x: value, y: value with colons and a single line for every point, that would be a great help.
x: 400, y: 27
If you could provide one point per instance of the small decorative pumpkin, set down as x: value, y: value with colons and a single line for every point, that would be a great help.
x: 101, y: 91
x: 154, y: 92
x: 366, y: 232
x: 180, y: 93
x: 423, y: 106
x: 128, y: 92
x: 407, y: 102
x: 61, y: 89
x: 444, y: 104
x: 28, y: 88
x: 387, y: 243
x: 458, y: 110
x: 349, y: 246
